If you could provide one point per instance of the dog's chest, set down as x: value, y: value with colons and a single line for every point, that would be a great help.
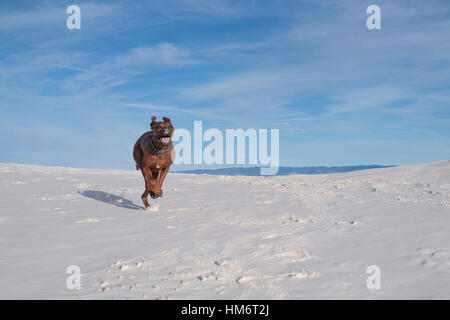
x: 159, y: 162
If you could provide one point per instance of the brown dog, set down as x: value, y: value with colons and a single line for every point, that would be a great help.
x: 154, y: 154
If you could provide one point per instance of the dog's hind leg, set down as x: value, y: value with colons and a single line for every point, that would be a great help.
x: 138, y: 155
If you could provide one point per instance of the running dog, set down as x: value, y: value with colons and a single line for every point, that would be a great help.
x: 154, y: 154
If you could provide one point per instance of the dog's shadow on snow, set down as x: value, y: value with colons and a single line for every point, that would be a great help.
x: 111, y: 199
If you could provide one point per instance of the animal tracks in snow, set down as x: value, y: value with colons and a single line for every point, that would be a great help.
x: 294, y: 255
x: 18, y: 182
x: 170, y: 275
x: 435, y: 259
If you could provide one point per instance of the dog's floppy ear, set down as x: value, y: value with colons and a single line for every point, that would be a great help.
x: 166, y: 119
x: 153, y: 122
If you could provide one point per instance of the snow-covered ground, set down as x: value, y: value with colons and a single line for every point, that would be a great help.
x: 223, y: 237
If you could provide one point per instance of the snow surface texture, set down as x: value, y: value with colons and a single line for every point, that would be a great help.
x: 222, y: 237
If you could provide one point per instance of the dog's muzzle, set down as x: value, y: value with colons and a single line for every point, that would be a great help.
x: 164, y: 137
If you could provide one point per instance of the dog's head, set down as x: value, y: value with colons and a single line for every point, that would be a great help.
x: 163, y: 130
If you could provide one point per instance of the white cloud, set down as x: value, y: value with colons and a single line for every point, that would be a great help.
x: 160, y: 54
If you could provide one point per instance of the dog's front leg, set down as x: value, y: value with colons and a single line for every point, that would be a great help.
x: 150, y: 184
x: 144, y: 198
x: 162, y: 176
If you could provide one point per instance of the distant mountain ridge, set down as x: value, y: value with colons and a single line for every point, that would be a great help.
x: 255, y: 171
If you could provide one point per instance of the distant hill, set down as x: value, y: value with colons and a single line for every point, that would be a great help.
x: 255, y: 171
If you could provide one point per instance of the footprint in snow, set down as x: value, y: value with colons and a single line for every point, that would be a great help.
x: 18, y: 182
x: 88, y: 220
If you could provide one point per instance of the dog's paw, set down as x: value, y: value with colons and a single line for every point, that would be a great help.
x: 152, y: 208
x: 156, y: 193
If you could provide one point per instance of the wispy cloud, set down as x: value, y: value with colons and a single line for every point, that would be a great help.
x: 211, y: 7
x: 380, y: 97
x: 160, y: 54
x: 157, y: 108
x: 354, y: 68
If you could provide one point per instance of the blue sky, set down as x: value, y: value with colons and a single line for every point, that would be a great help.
x: 339, y: 93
